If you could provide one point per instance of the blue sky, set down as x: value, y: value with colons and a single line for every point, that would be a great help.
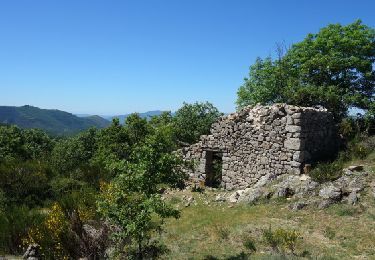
x: 115, y: 57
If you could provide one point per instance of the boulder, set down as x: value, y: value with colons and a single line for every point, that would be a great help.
x: 251, y: 195
x: 330, y: 192
x: 234, y: 197
x: 352, y: 198
x: 298, y: 205
x: 354, y: 168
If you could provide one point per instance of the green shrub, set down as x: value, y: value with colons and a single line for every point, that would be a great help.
x: 15, y: 222
x: 347, y: 128
x: 25, y: 182
x: 324, y: 172
x: 281, y: 240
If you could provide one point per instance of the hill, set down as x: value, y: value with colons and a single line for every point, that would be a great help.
x: 147, y: 114
x: 53, y: 121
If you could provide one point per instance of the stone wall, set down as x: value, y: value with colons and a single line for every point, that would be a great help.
x: 263, y: 140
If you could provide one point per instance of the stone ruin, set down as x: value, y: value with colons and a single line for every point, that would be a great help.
x: 259, y: 140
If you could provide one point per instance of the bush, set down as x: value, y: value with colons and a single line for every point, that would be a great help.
x: 25, y: 182
x: 15, y: 223
x: 324, y: 172
x: 281, y: 240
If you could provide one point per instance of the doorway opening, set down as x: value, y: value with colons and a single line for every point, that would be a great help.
x: 214, y: 165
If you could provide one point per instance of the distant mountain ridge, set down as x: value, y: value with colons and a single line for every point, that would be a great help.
x: 122, y: 118
x: 52, y: 121
x: 147, y: 114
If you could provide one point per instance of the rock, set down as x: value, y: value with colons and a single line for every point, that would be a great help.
x: 265, y: 180
x: 32, y: 252
x: 234, y: 197
x: 220, y: 198
x: 354, y: 168
x: 304, y: 177
x: 282, y: 192
x: 189, y: 201
x: 294, y: 144
x: 250, y: 195
x: 330, y: 192
x: 298, y: 205
x: 352, y: 198
x: 325, y: 204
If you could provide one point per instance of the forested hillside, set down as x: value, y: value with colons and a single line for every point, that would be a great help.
x: 52, y: 121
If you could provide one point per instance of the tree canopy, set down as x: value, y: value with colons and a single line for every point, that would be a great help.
x: 333, y: 68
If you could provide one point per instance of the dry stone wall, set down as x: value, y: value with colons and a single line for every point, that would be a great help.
x: 263, y: 140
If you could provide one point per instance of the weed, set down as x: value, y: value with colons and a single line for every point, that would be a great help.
x: 223, y: 232
x: 329, y: 233
x: 345, y: 210
x: 249, y: 244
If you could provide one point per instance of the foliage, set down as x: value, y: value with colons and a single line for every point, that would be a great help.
x: 326, y: 171
x: 132, y: 200
x: 15, y: 221
x: 71, y: 153
x: 25, y: 182
x: 136, y: 213
x: 62, y: 235
x: 281, y: 239
x: 49, y: 234
x: 333, y: 68
x: 18, y: 144
x: 193, y: 120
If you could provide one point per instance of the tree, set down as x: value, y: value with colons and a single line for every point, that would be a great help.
x: 74, y: 152
x: 333, y: 68
x: 193, y: 120
x: 132, y: 201
x: 10, y: 143
x: 136, y: 127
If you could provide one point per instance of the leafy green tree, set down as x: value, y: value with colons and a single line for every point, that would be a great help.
x: 113, y: 144
x: 333, y: 68
x: 25, y: 182
x: 165, y: 118
x: 36, y: 144
x: 136, y: 127
x: 74, y: 152
x: 193, y: 120
x: 19, y: 144
x: 132, y: 201
x: 10, y: 143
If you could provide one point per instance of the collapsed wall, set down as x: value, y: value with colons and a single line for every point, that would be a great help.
x: 260, y: 140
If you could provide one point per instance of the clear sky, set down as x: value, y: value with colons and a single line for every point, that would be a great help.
x: 115, y: 57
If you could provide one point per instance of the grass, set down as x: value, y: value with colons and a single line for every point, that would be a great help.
x: 220, y: 230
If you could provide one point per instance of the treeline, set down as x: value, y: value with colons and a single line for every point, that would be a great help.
x: 52, y: 191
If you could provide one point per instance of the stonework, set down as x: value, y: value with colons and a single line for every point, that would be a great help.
x: 263, y: 140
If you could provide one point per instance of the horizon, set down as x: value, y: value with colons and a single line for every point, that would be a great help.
x: 90, y: 57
